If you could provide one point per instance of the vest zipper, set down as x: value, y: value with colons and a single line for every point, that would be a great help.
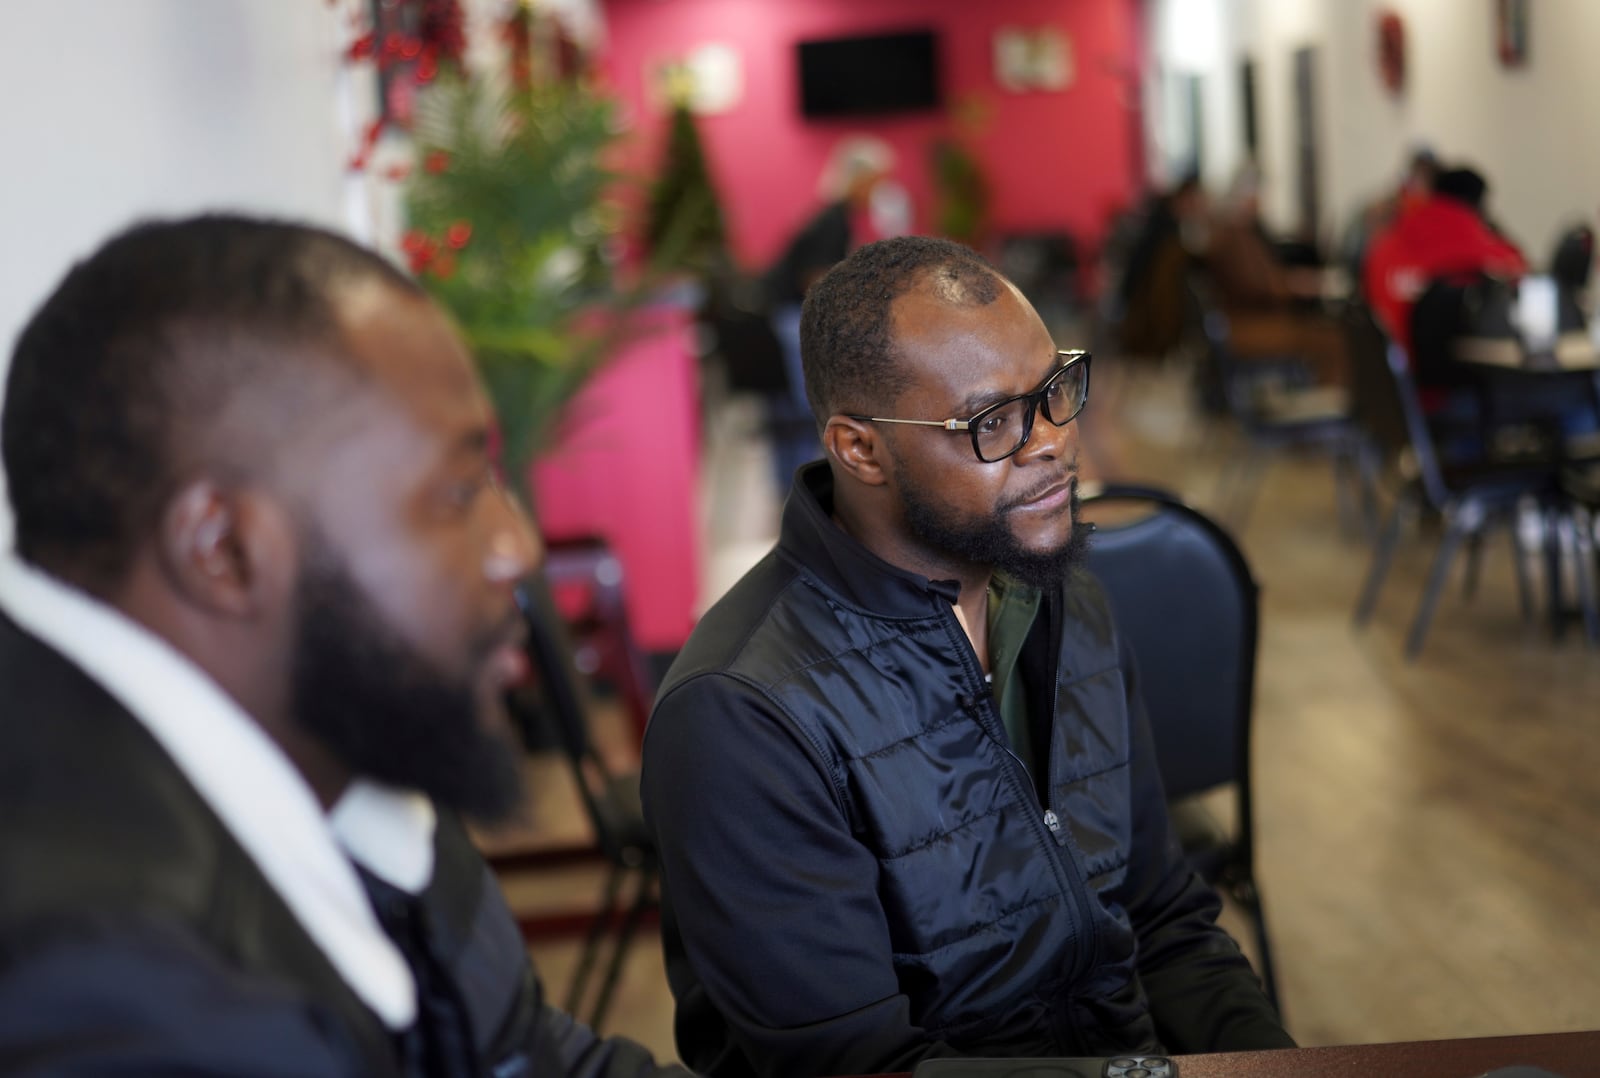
x: 1077, y: 882
x: 1068, y: 864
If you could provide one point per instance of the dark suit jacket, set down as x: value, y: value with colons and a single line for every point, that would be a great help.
x: 137, y: 936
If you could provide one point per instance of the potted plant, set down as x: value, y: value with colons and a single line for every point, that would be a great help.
x: 510, y: 227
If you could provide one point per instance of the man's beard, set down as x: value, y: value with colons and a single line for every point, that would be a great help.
x: 988, y: 541
x: 385, y: 711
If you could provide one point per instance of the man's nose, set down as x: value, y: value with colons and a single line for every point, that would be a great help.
x: 1046, y: 441
x: 515, y: 548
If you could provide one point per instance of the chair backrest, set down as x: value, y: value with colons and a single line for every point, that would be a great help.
x: 1222, y: 390
x: 1044, y: 265
x: 586, y: 577
x: 1573, y: 258
x: 1437, y: 321
x: 1185, y: 600
x: 1385, y: 403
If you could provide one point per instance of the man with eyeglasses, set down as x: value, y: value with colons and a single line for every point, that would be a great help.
x: 900, y: 777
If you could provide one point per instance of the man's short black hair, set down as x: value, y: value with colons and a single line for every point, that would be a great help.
x: 846, y: 345
x: 137, y: 347
x: 1464, y: 185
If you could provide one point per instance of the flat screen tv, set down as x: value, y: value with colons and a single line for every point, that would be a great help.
x: 869, y: 74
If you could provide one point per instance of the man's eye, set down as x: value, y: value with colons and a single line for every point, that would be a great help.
x: 464, y: 493
x: 1053, y: 391
x: 992, y: 424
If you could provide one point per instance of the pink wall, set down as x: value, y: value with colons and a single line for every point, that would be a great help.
x: 627, y: 469
x: 1054, y: 160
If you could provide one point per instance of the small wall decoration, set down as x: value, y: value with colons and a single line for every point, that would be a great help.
x: 1511, y: 32
x: 708, y: 79
x: 1392, y: 51
x: 1027, y: 60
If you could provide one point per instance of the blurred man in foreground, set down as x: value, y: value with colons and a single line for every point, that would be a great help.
x: 253, y: 648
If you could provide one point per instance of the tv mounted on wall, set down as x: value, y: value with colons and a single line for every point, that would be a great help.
x: 869, y: 74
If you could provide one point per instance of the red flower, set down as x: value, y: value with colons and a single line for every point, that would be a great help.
x: 444, y: 267
x: 363, y: 47
x: 428, y: 66
x: 422, y: 252
x: 457, y: 235
x: 436, y: 162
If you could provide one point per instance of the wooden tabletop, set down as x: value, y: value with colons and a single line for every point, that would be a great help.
x: 1571, y: 352
x: 1572, y: 1055
x: 1569, y: 1055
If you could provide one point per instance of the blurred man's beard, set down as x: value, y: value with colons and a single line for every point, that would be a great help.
x: 386, y: 712
x: 988, y: 541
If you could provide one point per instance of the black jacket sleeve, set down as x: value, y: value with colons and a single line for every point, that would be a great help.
x: 1203, y: 994
x: 152, y: 1001
x: 576, y: 1051
x: 773, y: 897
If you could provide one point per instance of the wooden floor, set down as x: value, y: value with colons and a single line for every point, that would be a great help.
x: 1429, y: 831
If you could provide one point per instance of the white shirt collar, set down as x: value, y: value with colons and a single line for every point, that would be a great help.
x: 250, y: 784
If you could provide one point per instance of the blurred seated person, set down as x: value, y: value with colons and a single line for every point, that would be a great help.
x: 850, y: 184
x: 1446, y: 235
x: 254, y: 642
x: 1152, y: 293
x: 1273, y: 309
x: 1416, y: 184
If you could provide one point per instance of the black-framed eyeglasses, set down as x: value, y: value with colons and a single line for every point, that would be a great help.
x: 1001, y: 429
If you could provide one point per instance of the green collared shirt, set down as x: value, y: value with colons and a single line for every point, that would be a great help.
x: 1012, y: 609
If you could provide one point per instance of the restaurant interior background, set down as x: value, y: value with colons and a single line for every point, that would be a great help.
x: 116, y: 110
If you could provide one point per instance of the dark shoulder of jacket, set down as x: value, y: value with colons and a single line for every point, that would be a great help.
x: 100, y: 823
x: 741, y: 631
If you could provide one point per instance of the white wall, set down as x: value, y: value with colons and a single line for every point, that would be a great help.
x: 120, y: 109
x: 1529, y: 130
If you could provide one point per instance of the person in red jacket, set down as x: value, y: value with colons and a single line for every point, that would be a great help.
x: 1443, y: 235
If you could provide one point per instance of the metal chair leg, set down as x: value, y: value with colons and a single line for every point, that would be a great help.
x: 1469, y: 578
x: 1248, y: 488
x: 1519, y: 563
x: 604, y: 915
x: 1550, y: 520
x: 641, y: 901
x: 1382, y: 556
x: 1581, y: 528
x: 1457, y: 528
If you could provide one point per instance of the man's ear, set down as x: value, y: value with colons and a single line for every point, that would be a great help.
x: 857, y: 447
x: 231, y: 552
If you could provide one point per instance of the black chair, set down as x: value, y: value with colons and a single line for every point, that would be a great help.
x: 1183, y: 596
x: 586, y: 577
x: 1470, y: 499
x: 1581, y: 486
x: 557, y: 701
x: 1573, y: 261
x: 1277, y: 408
x: 1045, y: 266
